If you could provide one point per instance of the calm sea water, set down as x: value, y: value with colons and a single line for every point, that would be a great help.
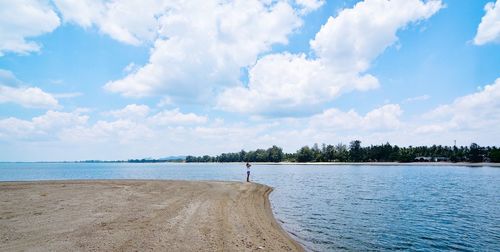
x: 351, y: 208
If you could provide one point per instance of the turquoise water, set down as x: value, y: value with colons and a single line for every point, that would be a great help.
x: 351, y: 208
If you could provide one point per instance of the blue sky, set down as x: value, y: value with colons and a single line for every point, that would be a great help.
x: 133, y: 79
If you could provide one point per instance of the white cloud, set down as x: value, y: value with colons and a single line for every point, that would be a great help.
x: 83, y: 13
x: 435, y: 128
x: 479, y: 110
x: 131, y: 67
x: 471, y: 118
x: 488, y: 30
x: 15, y: 128
x: 120, y: 131
x: 131, y: 111
x: 309, y: 5
x: 175, y: 117
x: 29, y: 97
x: 354, y: 38
x: 198, y: 51
x: 345, y: 47
x: 168, y: 131
x: 128, y: 124
x: 287, y: 81
x: 171, y: 132
x: 382, y: 118
x: 13, y: 90
x: 203, y: 44
x: 55, y: 119
x: 165, y: 101
x: 134, y: 112
x: 21, y: 20
x: 130, y: 21
x: 41, y: 126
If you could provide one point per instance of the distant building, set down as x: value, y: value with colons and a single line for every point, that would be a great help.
x: 432, y: 159
x: 423, y: 159
x: 441, y: 159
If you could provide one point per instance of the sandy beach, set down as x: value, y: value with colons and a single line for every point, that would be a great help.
x: 132, y: 215
x: 384, y: 164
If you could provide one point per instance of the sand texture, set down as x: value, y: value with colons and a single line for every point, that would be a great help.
x: 131, y: 215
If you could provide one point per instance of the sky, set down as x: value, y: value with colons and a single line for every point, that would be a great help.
x: 109, y: 79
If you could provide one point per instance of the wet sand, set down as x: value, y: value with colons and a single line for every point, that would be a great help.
x: 133, y: 215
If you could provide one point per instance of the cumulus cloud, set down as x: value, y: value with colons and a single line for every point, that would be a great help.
x: 122, y: 136
x: 345, y: 47
x: 14, y: 91
x: 488, y: 30
x: 29, y: 97
x: 22, y: 20
x: 288, y: 81
x: 479, y: 111
x: 175, y: 117
x: 164, y: 117
x: 354, y: 38
x: 41, y: 126
x: 309, y: 5
x: 133, y: 122
x: 83, y: 13
x: 202, y: 45
x: 471, y: 118
x: 131, y: 111
x: 132, y: 22
x: 116, y: 131
x: 198, y: 47
x: 123, y: 139
x: 382, y: 118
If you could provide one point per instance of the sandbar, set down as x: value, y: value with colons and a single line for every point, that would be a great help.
x: 139, y: 215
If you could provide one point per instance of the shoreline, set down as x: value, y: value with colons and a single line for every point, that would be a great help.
x: 386, y: 164
x: 158, y: 215
x: 284, y: 163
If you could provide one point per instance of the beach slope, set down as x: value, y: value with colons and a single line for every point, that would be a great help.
x: 131, y: 215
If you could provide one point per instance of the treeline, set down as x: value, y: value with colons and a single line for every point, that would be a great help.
x: 144, y: 160
x: 273, y: 154
x: 354, y: 152
x: 149, y: 160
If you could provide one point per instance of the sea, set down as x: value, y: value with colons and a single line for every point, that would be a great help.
x: 339, y: 207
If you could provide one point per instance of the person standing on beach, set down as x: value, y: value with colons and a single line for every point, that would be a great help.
x: 248, y: 172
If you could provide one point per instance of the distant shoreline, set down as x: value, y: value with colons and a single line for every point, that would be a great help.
x: 386, y: 164
x: 280, y: 163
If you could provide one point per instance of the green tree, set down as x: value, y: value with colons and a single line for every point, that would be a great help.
x: 475, y: 153
x: 242, y: 155
x: 317, y: 154
x: 495, y: 155
x: 206, y: 158
x: 355, y: 151
x: 329, y: 153
x: 275, y: 154
x: 395, y: 154
x: 261, y: 155
x: 406, y: 155
x: 341, y: 153
x: 305, y: 154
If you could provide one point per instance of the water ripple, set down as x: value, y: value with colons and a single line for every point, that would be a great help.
x: 342, y: 208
